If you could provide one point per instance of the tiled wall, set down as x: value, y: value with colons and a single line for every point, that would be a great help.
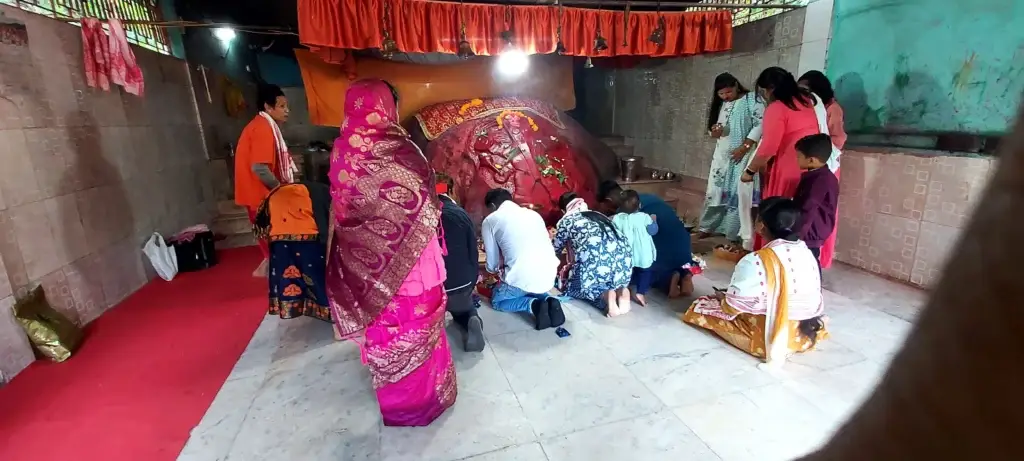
x: 86, y: 176
x: 661, y: 107
x: 901, y: 213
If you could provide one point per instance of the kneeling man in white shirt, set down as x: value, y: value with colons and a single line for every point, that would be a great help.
x: 519, y: 249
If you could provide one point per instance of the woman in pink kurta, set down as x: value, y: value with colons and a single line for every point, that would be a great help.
x: 788, y: 118
x: 385, y: 272
x: 820, y: 85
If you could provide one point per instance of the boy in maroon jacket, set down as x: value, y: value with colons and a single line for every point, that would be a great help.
x: 818, y: 192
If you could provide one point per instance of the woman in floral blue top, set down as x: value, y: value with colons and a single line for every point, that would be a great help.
x: 599, y: 260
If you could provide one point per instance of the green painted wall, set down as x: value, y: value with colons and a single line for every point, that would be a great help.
x: 928, y: 65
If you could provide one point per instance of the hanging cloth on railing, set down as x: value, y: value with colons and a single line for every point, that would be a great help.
x: 109, y: 58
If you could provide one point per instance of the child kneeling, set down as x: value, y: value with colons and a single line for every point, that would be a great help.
x: 638, y: 228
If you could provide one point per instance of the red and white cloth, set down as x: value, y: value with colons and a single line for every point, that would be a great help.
x: 109, y: 58
x: 284, y: 159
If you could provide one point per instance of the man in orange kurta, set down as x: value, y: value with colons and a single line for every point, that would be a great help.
x: 261, y: 158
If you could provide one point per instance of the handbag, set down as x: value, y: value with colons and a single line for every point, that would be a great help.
x: 161, y: 256
x: 822, y: 116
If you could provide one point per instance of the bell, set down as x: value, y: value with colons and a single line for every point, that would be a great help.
x: 465, y: 50
x: 389, y: 48
x: 507, y: 36
x: 560, y: 47
x: 588, y: 64
x: 600, y: 44
x: 658, y: 34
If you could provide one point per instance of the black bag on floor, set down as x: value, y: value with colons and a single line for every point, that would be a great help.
x: 195, y: 254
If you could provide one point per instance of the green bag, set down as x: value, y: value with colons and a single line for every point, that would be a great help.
x: 52, y: 334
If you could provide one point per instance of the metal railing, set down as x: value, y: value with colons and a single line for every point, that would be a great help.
x: 745, y: 15
x: 130, y: 11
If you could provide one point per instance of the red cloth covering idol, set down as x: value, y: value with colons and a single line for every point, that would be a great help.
x: 523, y: 145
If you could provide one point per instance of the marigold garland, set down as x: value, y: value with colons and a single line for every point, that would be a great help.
x: 472, y: 103
x: 501, y: 119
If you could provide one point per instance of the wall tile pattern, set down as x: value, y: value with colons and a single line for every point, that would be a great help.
x: 88, y: 176
x: 900, y: 214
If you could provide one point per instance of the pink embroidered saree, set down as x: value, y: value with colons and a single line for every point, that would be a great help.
x: 385, y: 273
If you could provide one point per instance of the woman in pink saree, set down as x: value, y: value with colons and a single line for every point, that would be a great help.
x: 385, y: 272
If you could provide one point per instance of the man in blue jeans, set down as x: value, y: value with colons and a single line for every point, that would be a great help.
x: 519, y: 249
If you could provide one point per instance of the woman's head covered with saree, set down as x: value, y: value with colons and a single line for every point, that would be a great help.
x: 385, y: 208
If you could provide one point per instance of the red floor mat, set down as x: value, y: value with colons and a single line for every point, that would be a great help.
x: 146, y: 374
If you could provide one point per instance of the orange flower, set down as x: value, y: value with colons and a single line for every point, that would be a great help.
x: 472, y: 103
x: 292, y: 272
x: 292, y: 290
x: 501, y: 117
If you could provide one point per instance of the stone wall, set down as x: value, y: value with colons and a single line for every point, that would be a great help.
x: 87, y: 176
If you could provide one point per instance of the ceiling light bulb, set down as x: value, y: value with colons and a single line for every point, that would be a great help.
x: 513, y: 62
x: 224, y: 34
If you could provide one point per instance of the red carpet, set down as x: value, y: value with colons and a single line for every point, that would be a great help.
x: 147, y: 372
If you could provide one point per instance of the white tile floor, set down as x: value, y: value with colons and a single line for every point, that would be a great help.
x: 644, y: 386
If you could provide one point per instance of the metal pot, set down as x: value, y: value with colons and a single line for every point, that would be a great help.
x: 630, y: 168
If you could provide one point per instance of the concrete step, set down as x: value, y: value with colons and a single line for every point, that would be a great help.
x: 229, y: 208
x: 612, y: 141
x: 689, y: 203
x: 235, y: 241
x: 622, y: 151
x: 231, y: 225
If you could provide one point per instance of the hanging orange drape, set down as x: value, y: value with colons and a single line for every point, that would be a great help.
x: 329, y: 27
x: 550, y: 80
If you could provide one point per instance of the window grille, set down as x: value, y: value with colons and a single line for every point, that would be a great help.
x: 745, y: 15
x: 144, y: 35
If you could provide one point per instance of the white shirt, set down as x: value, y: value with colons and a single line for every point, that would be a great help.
x: 519, y: 236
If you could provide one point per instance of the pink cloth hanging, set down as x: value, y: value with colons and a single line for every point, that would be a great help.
x: 124, y: 69
x: 109, y: 58
x: 96, y: 50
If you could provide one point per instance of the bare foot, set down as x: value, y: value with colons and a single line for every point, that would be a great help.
x: 613, y: 303
x: 262, y: 269
x: 686, y: 286
x: 641, y: 300
x: 703, y: 235
x: 625, y: 305
x: 673, y: 286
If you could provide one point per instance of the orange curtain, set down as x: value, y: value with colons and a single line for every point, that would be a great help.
x: 549, y: 79
x: 421, y: 26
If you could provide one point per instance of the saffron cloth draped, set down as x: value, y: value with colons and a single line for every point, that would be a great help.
x: 329, y: 27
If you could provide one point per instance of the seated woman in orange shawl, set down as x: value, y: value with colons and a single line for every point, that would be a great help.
x: 385, y: 274
x: 294, y: 219
x: 773, y: 305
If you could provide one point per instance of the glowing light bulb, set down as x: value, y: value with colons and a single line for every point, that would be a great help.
x: 513, y: 63
x: 224, y: 34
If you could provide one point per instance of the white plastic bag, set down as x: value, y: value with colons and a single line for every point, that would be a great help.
x: 162, y: 257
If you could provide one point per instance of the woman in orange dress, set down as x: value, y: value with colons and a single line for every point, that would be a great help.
x: 788, y: 118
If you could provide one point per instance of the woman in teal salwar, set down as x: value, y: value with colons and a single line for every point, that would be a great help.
x: 734, y: 120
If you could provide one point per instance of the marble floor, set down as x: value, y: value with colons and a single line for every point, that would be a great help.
x: 644, y: 386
